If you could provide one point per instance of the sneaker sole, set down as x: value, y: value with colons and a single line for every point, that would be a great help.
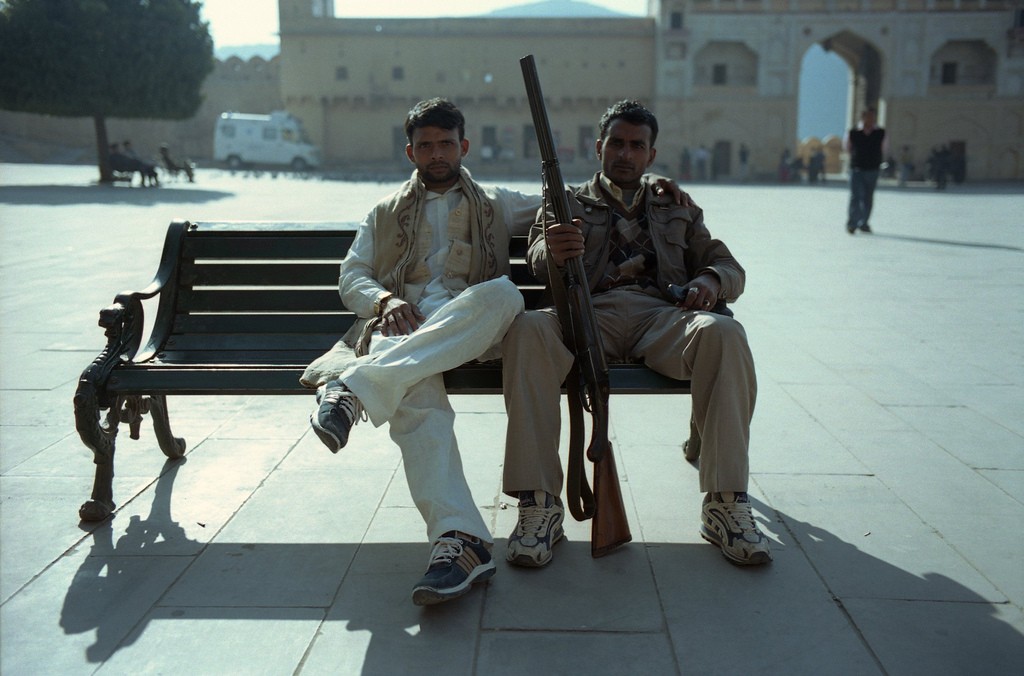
x: 756, y: 559
x: 333, y: 443
x: 429, y: 596
x: 527, y: 561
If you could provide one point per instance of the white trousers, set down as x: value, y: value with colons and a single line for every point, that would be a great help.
x: 401, y: 382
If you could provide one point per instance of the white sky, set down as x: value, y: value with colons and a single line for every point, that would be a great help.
x: 253, y: 22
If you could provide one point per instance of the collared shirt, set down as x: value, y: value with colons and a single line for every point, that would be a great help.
x: 635, y: 197
x: 437, y: 210
x: 631, y: 257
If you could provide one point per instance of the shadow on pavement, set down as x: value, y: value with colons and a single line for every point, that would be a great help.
x: 938, y: 621
x: 947, y: 242
x: 154, y: 562
x: 65, y: 195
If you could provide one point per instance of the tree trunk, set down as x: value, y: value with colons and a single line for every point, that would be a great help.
x: 102, y: 148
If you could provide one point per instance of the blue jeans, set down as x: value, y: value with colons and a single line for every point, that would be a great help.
x: 862, y: 195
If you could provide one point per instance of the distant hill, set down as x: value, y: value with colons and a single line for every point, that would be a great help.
x: 543, y: 9
x: 556, y: 8
x: 246, y: 52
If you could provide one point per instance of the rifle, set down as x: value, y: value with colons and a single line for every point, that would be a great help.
x: 587, y: 383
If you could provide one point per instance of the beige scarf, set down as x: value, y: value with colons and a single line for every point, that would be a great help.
x: 397, y: 225
x: 399, y: 222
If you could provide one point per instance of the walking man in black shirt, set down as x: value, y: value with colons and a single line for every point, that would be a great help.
x: 865, y: 145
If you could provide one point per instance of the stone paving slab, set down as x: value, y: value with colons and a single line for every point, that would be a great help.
x: 887, y: 466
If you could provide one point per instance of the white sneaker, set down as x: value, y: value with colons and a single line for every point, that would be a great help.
x: 539, y: 528
x: 731, y: 526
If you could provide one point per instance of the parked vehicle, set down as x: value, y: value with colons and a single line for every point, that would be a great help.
x: 277, y: 139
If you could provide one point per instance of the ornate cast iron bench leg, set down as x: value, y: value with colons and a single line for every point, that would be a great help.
x: 172, y: 446
x: 101, y: 437
x: 122, y: 322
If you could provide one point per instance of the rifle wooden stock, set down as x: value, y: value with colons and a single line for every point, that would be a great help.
x: 610, y: 528
x: 587, y: 382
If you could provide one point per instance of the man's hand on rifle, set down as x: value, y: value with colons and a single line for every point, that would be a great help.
x: 564, y: 241
x: 400, y: 318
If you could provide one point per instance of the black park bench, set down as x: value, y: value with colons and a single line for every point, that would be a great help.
x: 242, y: 309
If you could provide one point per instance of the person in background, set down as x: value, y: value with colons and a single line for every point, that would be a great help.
x: 174, y: 167
x: 906, y: 167
x: 866, y: 146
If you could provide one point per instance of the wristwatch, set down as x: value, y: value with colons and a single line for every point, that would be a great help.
x: 378, y: 305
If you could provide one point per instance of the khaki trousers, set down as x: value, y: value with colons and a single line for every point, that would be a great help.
x: 709, y: 350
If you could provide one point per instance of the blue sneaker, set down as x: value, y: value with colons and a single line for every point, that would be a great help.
x: 456, y: 563
x: 338, y: 409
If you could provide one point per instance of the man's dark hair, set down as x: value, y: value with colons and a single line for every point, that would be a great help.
x: 435, y: 112
x: 633, y: 112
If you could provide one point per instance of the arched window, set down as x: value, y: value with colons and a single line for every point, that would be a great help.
x: 963, y: 63
x: 726, y: 64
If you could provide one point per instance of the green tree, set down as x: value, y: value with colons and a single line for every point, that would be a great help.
x: 103, y: 58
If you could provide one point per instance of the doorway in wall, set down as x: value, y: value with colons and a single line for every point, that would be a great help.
x: 824, y: 98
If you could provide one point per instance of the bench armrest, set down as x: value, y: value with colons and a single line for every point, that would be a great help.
x: 123, y: 321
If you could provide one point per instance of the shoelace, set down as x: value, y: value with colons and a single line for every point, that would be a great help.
x: 445, y: 551
x: 741, y: 515
x: 532, y: 520
x: 347, y: 402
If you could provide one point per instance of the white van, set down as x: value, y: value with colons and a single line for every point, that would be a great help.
x: 277, y: 139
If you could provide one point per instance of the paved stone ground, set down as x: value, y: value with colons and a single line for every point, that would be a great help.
x: 887, y: 464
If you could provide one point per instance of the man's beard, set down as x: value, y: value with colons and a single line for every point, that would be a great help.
x: 625, y: 173
x: 440, y: 172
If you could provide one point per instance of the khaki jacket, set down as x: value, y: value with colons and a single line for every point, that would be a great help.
x: 684, y: 247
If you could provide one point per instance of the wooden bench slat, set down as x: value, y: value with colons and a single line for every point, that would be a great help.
x: 234, y: 379
x: 622, y: 379
x: 261, y: 379
x: 256, y: 299
x: 242, y: 342
x: 259, y: 300
x: 532, y: 296
x: 296, y: 247
x: 296, y: 275
x: 212, y: 357
x: 334, y: 323
x: 260, y: 274
x: 518, y: 246
x: 195, y: 381
x: 522, y: 277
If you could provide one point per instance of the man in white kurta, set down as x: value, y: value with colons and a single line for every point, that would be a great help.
x: 427, y: 277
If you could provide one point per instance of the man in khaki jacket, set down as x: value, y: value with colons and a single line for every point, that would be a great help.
x: 655, y: 274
